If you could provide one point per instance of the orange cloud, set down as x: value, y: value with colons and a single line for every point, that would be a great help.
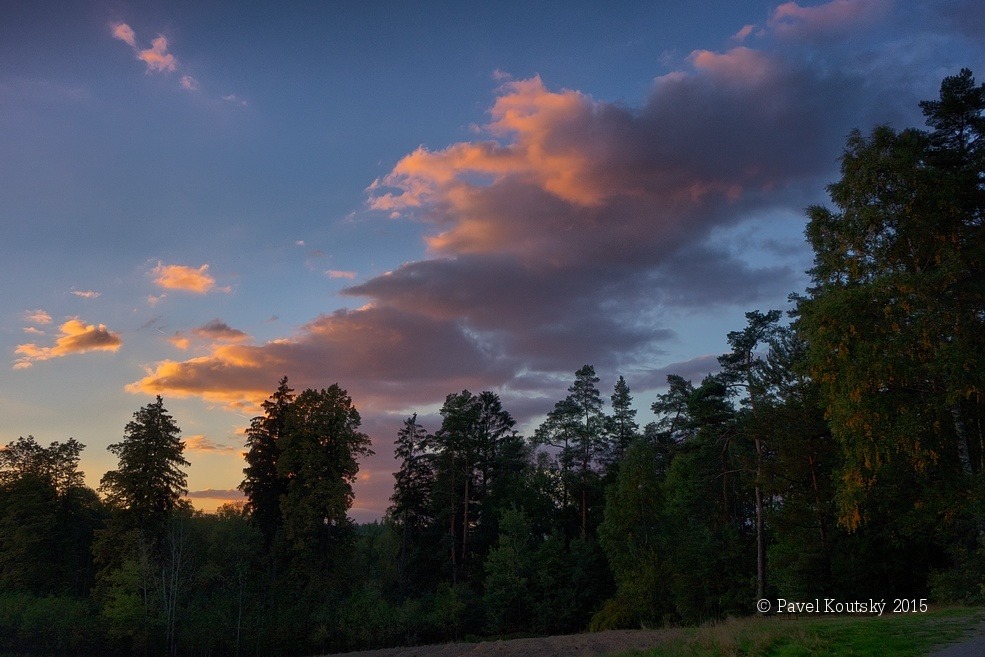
x: 180, y: 277
x: 381, y: 355
x: 337, y: 273
x: 199, y: 443
x: 76, y: 338
x: 179, y: 341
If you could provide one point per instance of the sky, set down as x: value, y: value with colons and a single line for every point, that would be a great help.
x: 412, y: 199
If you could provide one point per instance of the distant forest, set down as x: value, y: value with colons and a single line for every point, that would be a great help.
x: 837, y: 453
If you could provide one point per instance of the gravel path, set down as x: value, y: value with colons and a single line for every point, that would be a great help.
x: 973, y: 646
x: 595, y: 644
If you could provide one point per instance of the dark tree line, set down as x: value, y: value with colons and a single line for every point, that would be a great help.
x: 839, y: 452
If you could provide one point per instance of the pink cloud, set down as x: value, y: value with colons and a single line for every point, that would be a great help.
x: 793, y: 20
x: 744, y: 33
x: 37, y: 316
x: 157, y: 57
x: 740, y: 65
x: 337, y: 273
x: 124, y: 33
x: 76, y: 337
x: 189, y: 83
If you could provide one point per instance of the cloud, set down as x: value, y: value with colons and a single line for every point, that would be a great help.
x: 124, y: 33
x: 37, y: 316
x: 87, y: 294
x: 157, y: 57
x: 228, y: 494
x: 693, y: 370
x: 180, y: 277
x: 180, y: 341
x: 234, y: 99
x: 378, y: 354
x: 219, y: 331
x: 566, y: 233
x: 337, y: 273
x: 76, y: 337
x: 744, y: 33
x: 32, y: 330
x: 792, y: 20
x: 199, y: 443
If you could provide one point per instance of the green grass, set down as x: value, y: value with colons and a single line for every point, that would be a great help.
x: 901, y: 635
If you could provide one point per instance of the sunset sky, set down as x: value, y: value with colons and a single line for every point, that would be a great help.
x: 414, y: 198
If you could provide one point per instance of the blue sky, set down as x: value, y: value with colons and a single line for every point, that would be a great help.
x: 410, y: 199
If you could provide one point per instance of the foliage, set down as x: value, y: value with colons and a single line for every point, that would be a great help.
x: 149, y: 483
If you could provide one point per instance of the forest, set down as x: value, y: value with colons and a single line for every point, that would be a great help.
x: 838, y: 452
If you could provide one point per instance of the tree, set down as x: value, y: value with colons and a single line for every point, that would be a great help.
x: 632, y: 536
x: 623, y: 428
x: 577, y: 427
x: 262, y: 484
x: 895, y: 320
x: 475, y: 452
x: 411, y: 508
x: 741, y: 368
x: 320, y: 446
x: 149, y: 483
x: 57, y: 464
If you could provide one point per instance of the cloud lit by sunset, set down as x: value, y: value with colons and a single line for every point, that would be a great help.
x: 75, y: 337
x: 180, y: 277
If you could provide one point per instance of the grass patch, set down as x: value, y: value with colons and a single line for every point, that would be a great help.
x: 901, y: 635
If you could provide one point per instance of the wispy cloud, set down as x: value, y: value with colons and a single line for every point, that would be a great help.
x: 235, y: 100
x: 158, y: 58
x: 124, y: 33
x: 199, y: 443
x: 230, y: 494
x: 338, y: 273
x: 75, y: 337
x: 86, y: 294
x: 37, y: 316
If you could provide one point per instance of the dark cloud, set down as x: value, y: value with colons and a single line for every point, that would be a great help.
x: 218, y: 330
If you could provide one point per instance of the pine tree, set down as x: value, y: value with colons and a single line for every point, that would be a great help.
x: 262, y: 484
x: 149, y: 483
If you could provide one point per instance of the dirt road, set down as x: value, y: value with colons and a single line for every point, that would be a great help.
x: 568, y: 645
